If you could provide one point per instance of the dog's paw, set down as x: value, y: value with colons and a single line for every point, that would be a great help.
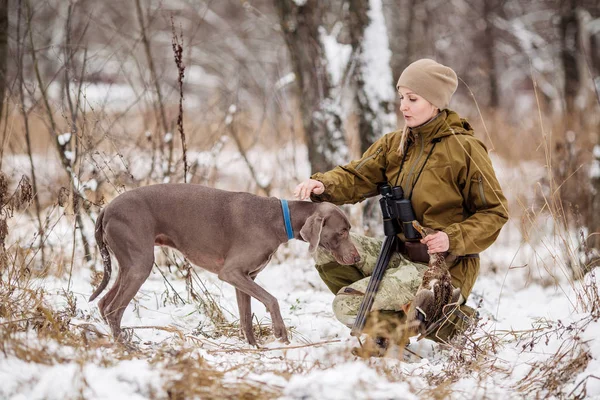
x: 281, y: 334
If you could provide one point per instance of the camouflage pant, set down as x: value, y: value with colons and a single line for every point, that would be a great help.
x: 349, y: 282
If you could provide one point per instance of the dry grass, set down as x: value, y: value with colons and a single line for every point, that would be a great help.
x: 189, y: 375
x: 34, y: 331
x: 32, y: 328
x: 551, y: 376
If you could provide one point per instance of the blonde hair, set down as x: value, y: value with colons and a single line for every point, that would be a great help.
x: 403, y: 141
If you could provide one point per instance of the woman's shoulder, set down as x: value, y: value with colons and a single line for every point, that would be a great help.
x: 394, y: 135
x: 390, y: 140
x: 460, y: 133
x: 471, y: 142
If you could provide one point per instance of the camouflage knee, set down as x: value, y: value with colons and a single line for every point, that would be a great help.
x: 397, y: 288
x: 368, y: 248
x: 337, y: 276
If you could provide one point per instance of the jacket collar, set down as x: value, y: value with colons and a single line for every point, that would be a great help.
x: 445, y: 123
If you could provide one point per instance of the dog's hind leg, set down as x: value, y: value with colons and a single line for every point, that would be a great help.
x: 135, y: 255
x: 105, y: 304
x: 245, y: 310
x: 131, y: 280
x: 109, y: 296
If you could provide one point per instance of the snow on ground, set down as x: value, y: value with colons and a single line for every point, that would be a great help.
x: 328, y: 371
x: 515, y: 294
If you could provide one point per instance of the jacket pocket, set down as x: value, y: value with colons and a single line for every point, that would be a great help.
x: 481, y: 190
x: 369, y: 158
x: 478, y: 185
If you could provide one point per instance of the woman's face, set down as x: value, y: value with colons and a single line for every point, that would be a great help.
x: 416, y: 109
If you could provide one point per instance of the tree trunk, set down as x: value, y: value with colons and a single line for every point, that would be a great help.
x: 3, y: 48
x: 374, y: 107
x: 374, y: 99
x: 569, y: 48
x: 320, y: 119
x: 410, y: 37
x: 160, y: 104
x: 489, y: 52
x: 62, y: 148
x: 393, y: 11
x: 365, y: 114
x: 20, y: 40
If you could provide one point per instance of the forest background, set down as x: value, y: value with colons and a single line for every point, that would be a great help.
x: 100, y: 97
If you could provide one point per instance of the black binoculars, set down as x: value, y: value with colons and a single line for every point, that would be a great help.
x: 397, y: 211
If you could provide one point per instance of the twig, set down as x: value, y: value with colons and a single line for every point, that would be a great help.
x: 413, y: 353
x: 25, y: 115
x: 169, y: 283
x: 178, y: 51
x: 265, y: 349
x: 579, y: 384
x: 229, y: 122
x: 154, y: 76
x: 162, y: 328
x: 16, y: 321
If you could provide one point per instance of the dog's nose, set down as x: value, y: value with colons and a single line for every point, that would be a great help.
x: 356, y: 258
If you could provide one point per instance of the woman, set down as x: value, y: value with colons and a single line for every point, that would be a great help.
x: 447, y: 175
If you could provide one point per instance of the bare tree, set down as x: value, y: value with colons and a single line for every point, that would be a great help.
x: 489, y: 50
x: 375, y: 106
x: 321, y: 118
x: 25, y: 115
x: 398, y: 20
x: 569, y: 54
x: 68, y: 158
x: 160, y: 104
x: 3, y: 48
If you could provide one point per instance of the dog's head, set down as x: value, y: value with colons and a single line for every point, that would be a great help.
x: 329, y: 228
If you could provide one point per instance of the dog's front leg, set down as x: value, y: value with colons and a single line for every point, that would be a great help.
x: 245, y: 310
x: 232, y: 274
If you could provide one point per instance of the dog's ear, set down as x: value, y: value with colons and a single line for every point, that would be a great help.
x: 311, y: 231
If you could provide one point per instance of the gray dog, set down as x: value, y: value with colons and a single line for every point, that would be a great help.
x: 232, y: 234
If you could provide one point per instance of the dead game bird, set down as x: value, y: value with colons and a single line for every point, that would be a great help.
x: 434, y: 293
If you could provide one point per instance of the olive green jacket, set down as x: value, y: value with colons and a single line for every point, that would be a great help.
x: 456, y: 190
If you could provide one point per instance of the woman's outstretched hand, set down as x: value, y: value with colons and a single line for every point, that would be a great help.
x: 437, y: 242
x: 304, y: 189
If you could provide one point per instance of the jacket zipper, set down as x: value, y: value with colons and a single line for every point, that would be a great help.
x: 363, y: 162
x: 413, y: 166
x: 481, y: 192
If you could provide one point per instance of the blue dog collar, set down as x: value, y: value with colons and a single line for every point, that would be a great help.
x: 286, y: 219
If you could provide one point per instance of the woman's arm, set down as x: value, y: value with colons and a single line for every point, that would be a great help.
x: 484, y: 200
x: 357, y: 180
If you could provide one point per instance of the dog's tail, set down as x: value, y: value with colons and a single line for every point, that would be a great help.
x: 105, y: 256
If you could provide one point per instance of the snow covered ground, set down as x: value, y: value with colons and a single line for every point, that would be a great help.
x: 536, y: 338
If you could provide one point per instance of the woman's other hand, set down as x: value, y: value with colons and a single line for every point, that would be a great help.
x: 304, y: 189
x: 437, y: 242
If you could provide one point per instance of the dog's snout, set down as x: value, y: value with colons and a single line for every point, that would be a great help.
x: 356, y: 258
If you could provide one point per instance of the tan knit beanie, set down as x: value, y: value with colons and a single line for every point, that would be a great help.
x: 431, y: 80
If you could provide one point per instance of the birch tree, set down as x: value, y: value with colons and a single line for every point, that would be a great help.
x: 373, y: 77
x: 3, y: 48
x: 300, y: 23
